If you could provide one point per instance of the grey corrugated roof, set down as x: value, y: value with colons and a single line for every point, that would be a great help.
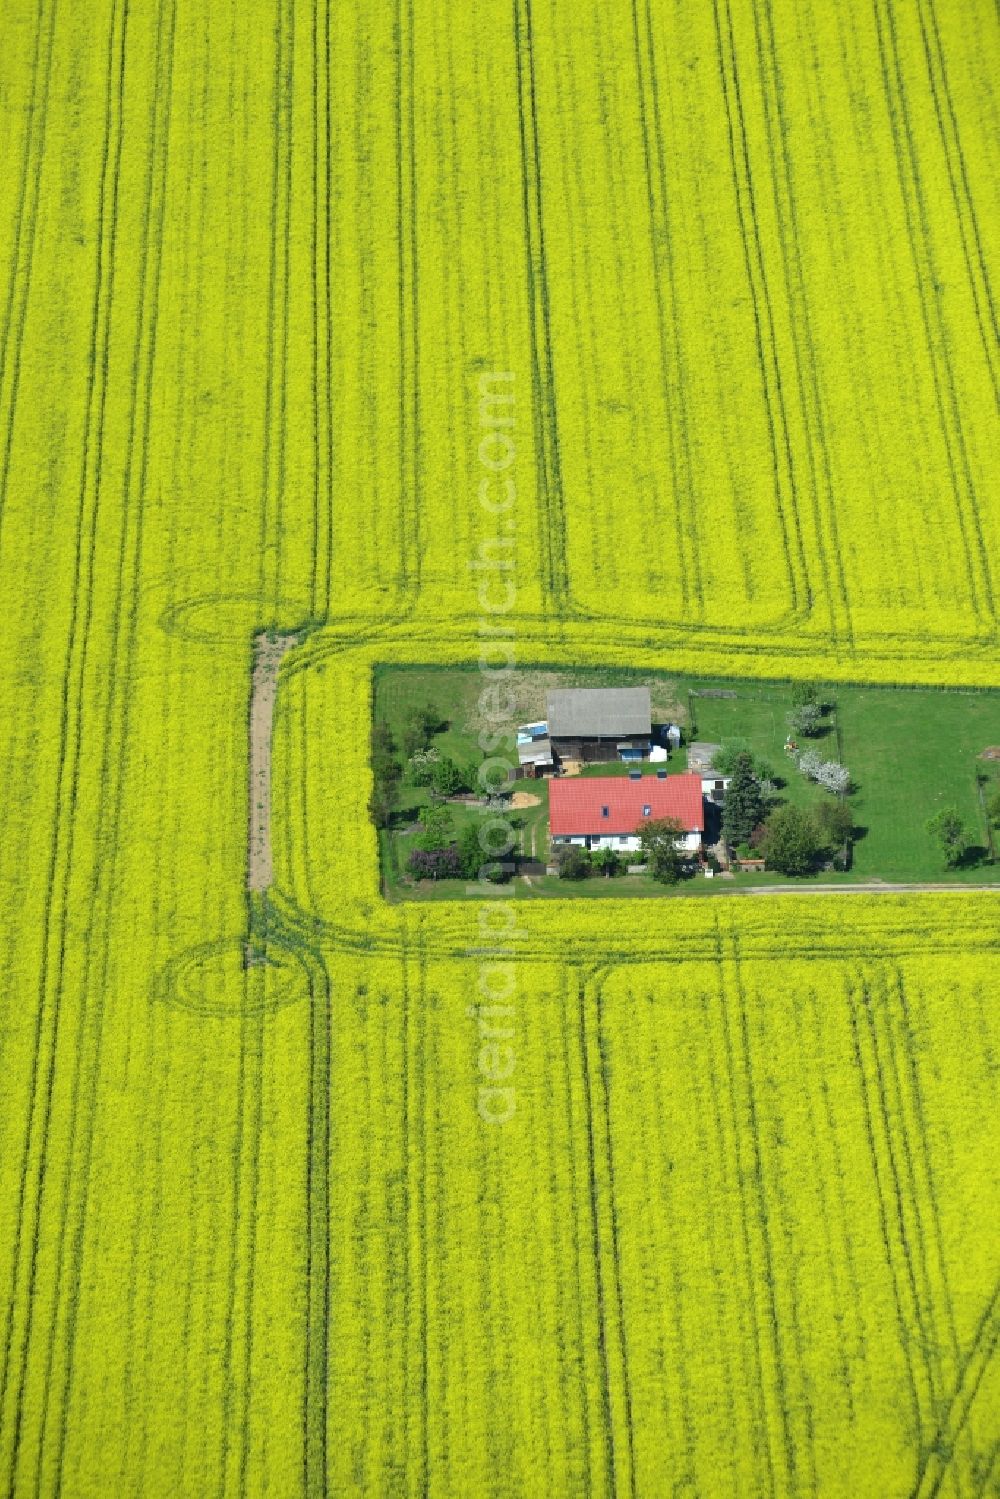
x: 586, y: 712
x: 538, y: 752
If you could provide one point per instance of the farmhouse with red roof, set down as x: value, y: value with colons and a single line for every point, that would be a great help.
x: 608, y: 811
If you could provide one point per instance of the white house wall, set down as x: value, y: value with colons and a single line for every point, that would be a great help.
x: 625, y: 842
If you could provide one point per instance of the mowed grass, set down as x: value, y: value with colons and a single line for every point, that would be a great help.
x: 910, y: 752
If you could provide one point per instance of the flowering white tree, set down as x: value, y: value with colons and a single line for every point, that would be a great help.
x: 421, y: 765
x: 834, y: 777
x: 829, y: 774
x: 806, y: 719
x: 809, y: 763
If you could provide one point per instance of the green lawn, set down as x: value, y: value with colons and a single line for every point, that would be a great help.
x: 910, y: 752
x: 926, y: 760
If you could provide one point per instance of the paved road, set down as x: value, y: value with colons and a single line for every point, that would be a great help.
x: 872, y: 887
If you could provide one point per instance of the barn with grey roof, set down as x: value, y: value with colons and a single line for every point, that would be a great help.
x: 595, y: 724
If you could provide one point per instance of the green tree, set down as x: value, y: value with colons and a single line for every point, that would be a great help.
x: 658, y: 838
x: 437, y: 829
x: 413, y: 738
x: 951, y: 833
x: 383, y: 746
x: 743, y: 808
x: 835, y: 824
x: 573, y: 861
x: 386, y: 773
x: 384, y: 800
x: 804, y: 693
x: 476, y: 863
x: 420, y: 724
x: 791, y: 842
x: 447, y: 778
x: 607, y: 861
x: 470, y: 850
x: 430, y: 719
x: 729, y: 752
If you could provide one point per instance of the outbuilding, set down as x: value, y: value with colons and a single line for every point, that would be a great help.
x: 534, y: 749
x: 595, y: 724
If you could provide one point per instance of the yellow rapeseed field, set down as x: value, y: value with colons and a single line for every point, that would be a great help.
x: 623, y: 333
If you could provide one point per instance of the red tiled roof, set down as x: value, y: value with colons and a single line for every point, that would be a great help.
x: 575, y: 803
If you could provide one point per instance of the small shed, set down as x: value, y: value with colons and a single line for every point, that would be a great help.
x: 535, y: 756
x: 534, y: 748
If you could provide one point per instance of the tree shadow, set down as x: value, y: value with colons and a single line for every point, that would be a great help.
x: 973, y: 856
x: 406, y: 815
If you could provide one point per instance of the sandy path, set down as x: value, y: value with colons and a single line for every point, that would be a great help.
x: 268, y: 653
